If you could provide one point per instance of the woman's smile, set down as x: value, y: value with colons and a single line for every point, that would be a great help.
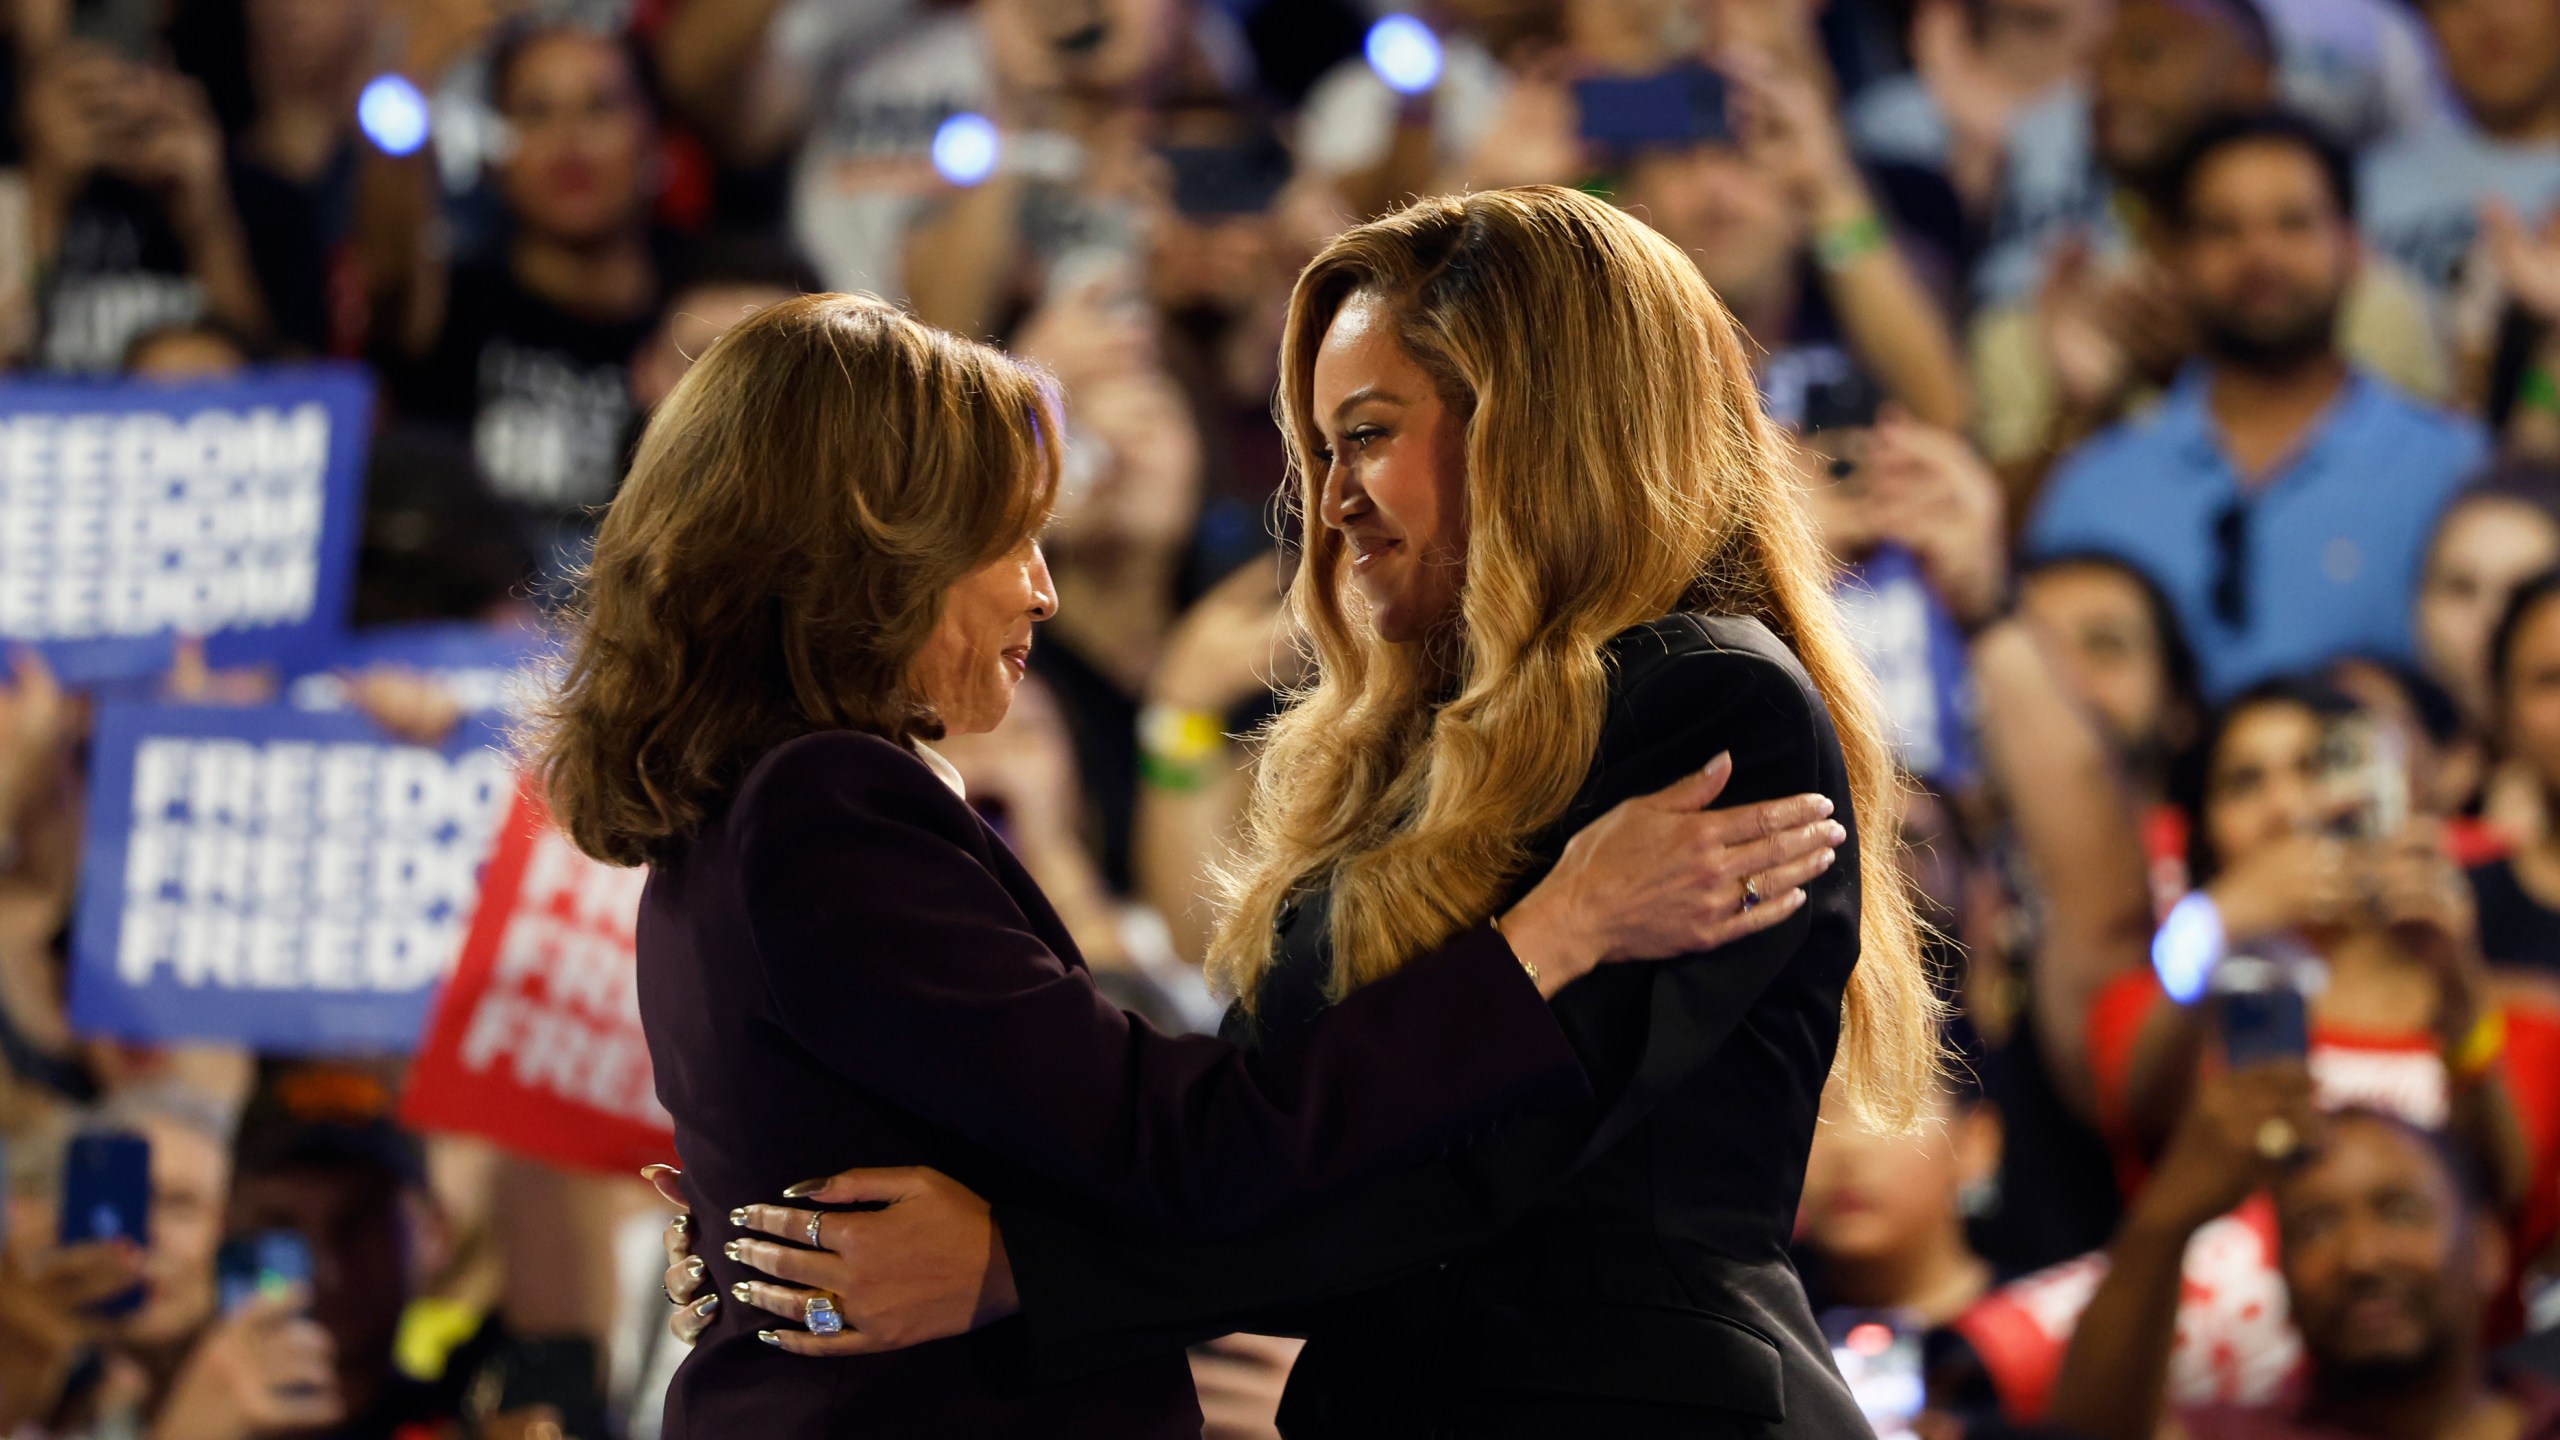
x: 1368, y: 551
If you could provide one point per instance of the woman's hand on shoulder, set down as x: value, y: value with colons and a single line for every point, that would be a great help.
x: 1662, y: 875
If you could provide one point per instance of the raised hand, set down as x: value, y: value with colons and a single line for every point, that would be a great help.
x: 45, y: 1324
x: 2301, y: 879
x: 266, y: 1369
x: 1934, y: 495
x: 2240, y: 1130
x: 2527, y: 259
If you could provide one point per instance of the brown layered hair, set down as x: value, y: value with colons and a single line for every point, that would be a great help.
x: 798, y: 508
x: 1619, y: 469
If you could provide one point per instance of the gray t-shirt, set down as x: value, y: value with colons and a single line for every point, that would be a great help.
x: 2421, y: 196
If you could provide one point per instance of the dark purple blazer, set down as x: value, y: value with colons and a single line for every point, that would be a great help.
x: 846, y: 967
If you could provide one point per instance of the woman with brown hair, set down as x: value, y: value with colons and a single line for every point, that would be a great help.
x: 826, y: 556
x: 1554, y: 557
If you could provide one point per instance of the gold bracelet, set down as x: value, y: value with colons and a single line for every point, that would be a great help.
x: 1496, y: 923
x: 2481, y: 1049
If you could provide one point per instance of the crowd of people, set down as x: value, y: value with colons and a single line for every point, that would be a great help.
x: 2176, y: 384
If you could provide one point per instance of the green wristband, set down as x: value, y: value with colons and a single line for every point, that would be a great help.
x: 2539, y: 391
x: 1840, y: 246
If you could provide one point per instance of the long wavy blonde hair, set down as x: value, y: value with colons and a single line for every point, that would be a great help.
x: 1619, y: 469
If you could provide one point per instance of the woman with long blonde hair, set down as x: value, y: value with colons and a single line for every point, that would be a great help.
x: 1553, y: 560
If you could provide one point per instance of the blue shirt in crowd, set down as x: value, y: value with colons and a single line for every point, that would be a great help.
x: 2319, y: 560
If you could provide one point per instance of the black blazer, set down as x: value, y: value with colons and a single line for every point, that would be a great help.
x: 847, y: 967
x: 1615, y: 1266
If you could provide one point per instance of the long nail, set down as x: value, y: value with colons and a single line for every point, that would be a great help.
x: 738, y: 1217
x: 738, y: 1292
x: 770, y: 1337
x: 682, y: 1224
x: 804, y: 1189
x: 704, y: 1306
x: 730, y: 1249
x: 693, y: 1267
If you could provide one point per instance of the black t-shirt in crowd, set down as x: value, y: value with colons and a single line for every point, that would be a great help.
x: 2515, y: 928
x: 295, y: 232
x: 122, y: 272
x: 544, y: 394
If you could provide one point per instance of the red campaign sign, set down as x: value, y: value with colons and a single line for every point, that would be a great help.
x: 535, y: 1043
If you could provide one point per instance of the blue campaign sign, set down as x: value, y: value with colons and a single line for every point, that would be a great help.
x: 277, y: 878
x: 133, y: 511
x: 486, y: 668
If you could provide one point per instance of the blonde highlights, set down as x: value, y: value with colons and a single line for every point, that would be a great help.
x: 1619, y: 468
x: 797, y: 510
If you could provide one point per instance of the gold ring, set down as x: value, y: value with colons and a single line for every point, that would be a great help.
x: 2277, y: 1139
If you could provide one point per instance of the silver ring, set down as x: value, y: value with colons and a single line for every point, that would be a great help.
x: 1750, y: 892
x: 819, y: 1313
x: 816, y: 1217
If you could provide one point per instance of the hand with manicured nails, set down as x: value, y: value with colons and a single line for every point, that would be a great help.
x: 927, y: 1265
x: 693, y: 1310
x: 1662, y: 875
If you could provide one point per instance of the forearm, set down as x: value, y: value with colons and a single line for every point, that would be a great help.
x: 707, y: 53
x: 2115, y: 1374
x: 1074, y: 885
x: 218, y: 258
x: 959, y: 259
x: 1177, y: 832
x: 2068, y: 806
x: 2484, y: 1114
x: 50, y: 192
x: 1888, y: 317
x: 399, y: 239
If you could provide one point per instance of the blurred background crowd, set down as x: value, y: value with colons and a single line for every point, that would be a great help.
x: 2177, y: 383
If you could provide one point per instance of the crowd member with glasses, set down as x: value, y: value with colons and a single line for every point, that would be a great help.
x: 2278, y: 494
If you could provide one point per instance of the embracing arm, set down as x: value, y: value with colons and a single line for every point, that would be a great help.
x: 1092, y: 1297
x: 896, y: 957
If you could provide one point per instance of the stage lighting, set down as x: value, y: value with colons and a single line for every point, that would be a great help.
x: 393, y: 115
x: 964, y: 148
x: 1405, y: 54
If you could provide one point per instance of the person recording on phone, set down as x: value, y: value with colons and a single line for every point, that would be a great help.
x: 1746, y: 168
x: 2350, y: 936
x: 120, y: 1334
x: 129, y: 207
x: 2391, y: 1256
